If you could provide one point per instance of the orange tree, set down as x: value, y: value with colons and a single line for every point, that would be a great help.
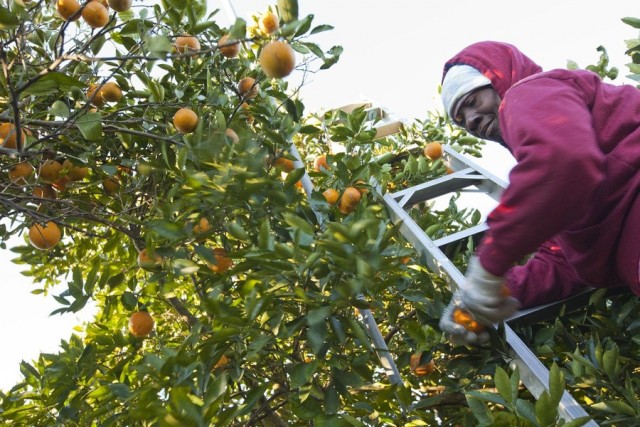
x: 147, y: 161
x: 142, y: 171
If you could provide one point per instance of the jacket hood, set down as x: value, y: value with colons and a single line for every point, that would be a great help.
x: 503, y: 64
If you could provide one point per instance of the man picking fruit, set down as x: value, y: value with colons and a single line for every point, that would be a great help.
x: 573, y: 198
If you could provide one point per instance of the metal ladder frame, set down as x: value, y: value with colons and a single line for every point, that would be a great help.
x: 466, y: 174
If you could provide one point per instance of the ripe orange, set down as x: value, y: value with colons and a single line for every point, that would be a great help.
x: 247, y: 87
x: 68, y: 8
x: 140, y: 324
x: 465, y: 319
x: 320, y: 162
x: 108, y: 92
x: 284, y: 164
x: 203, y: 226
x: 111, y: 185
x: 332, y: 195
x: 146, y: 262
x: 61, y: 184
x: 186, y: 44
x: 75, y: 173
x: 50, y: 171
x: 349, y: 200
x: 227, y: 47
x: 185, y: 120
x: 269, y: 23
x: 93, y: 95
x: 244, y: 112
x: 360, y: 185
x: 277, y: 59
x: 223, y: 262
x: 9, y: 135
x: 95, y: 14
x: 44, y: 192
x: 222, y: 362
x: 111, y: 92
x: 120, y: 5
x: 421, y: 369
x: 44, y: 237
x: 105, y: 3
x: 433, y: 150
x: 21, y: 172
x: 231, y: 134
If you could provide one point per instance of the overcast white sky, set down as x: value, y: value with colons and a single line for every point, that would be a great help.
x: 393, y: 56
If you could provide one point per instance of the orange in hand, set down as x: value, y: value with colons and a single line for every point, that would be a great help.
x: 464, y: 318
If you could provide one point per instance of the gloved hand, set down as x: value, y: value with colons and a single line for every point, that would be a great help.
x: 482, y: 297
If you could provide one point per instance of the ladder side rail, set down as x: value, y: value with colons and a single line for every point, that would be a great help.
x: 535, y: 376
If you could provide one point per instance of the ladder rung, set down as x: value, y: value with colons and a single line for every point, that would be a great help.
x: 463, y: 234
x: 388, y: 129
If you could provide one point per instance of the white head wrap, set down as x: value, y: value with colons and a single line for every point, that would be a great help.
x: 459, y: 81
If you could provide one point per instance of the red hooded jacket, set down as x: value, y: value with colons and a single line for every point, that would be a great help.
x: 573, y: 196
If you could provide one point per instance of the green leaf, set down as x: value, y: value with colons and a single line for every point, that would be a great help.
x: 239, y: 29
x: 298, y: 223
x: 318, y: 315
x: 288, y: 10
x: 90, y: 125
x: 546, y: 411
x: 159, y: 46
x: 556, y: 384
x: 331, y: 400
x: 321, y: 28
x: 59, y: 109
x: 7, y: 19
x: 634, y: 22
x: 301, y: 373
x: 52, y: 82
x: 480, y: 410
x: 615, y: 407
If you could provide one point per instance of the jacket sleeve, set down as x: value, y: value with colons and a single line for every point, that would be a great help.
x: 548, y: 126
x: 545, y: 278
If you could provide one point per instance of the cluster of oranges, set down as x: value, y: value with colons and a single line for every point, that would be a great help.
x: 95, y: 13
x: 50, y: 174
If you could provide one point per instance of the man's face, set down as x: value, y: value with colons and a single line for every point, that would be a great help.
x: 477, y: 112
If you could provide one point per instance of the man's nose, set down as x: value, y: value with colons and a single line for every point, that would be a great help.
x: 472, y: 120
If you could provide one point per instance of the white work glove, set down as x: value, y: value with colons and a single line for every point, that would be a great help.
x: 483, y: 297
